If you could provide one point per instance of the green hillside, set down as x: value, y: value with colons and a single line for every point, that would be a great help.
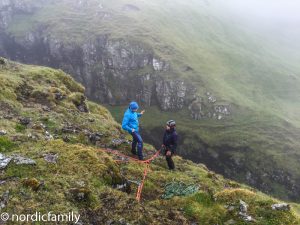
x: 42, y: 115
x: 239, y: 65
x: 255, y: 73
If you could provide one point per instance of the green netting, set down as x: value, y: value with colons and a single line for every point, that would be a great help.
x: 179, y: 189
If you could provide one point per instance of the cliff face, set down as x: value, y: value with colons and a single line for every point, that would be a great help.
x: 114, y: 71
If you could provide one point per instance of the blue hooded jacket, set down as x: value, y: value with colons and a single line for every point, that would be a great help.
x: 131, y: 120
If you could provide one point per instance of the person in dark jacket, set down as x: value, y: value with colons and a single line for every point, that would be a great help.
x: 170, y: 143
x: 130, y: 123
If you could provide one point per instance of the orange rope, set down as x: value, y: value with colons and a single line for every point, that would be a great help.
x: 147, y: 162
x: 140, y: 187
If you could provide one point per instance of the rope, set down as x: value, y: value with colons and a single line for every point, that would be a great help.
x: 140, y: 187
x: 125, y: 158
x: 179, y: 189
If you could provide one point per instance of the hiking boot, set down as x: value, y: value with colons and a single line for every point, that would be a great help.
x: 133, y: 152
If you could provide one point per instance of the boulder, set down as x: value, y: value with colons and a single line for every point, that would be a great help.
x: 20, y: 160
x: 51, y: 157
x: 124, y: 186
x: 46, y: 108
x: 4, y: 161
x: 25, y: 121
x: 243, y: 206
x: 281, y: 206
x: 95, y: 137
x: 116, y: 142
x: 4, y: 199
x: 3, y: 132
x: 244, y: 212
x: 48, y: 136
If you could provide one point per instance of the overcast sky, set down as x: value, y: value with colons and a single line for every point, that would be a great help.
x: 272, y: 11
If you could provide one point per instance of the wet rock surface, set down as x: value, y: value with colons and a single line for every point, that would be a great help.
x: 48, y: 136
x: 95, y: 137
x: 125, y: 186
x: 20, y: 160
x: 4, y: 161
x: 117, y: 142
x: 208, y: 107
x: 4, y: 199
x: 281, y: 207
x: 46, y: 109
x: 243, y: 212
x: 25, y: 121
x: 51, y: 157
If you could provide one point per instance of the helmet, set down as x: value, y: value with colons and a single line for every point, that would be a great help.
x: 133, y: 106
x: 171, y: 123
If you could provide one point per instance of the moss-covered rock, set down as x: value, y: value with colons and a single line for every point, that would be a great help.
x: 32, y: 183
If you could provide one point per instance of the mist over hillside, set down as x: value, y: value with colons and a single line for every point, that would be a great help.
x: 277, y: 20
x: 227, y: 72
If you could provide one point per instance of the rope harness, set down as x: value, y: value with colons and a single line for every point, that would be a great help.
x: 125, y: 158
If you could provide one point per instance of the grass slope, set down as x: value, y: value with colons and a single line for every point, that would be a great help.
x: 263, y: 147
x: 83, y: 171
x: 237, y: 63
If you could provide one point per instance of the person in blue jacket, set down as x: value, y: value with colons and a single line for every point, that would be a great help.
x: 130, y: 123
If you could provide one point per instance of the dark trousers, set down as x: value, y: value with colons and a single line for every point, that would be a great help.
x: 170, y: 162
x: 137, y: 141
x: 169, y: 159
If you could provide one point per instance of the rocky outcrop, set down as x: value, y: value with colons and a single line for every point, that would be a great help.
x: 17, y: 159
x: 171, y: 94
x: 209, y: 107
x: 114, y: 71
x: 281, y: 207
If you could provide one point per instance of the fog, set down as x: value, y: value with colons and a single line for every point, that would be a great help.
x: 269, y: 11
x: 277, y: 19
